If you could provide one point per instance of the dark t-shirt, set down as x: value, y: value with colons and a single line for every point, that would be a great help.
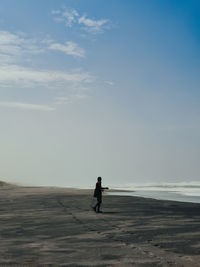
x: 98, y: 190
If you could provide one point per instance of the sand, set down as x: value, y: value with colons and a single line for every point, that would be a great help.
x: 57, y: 227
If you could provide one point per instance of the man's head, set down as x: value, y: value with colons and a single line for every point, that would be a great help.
x: 99, y: 179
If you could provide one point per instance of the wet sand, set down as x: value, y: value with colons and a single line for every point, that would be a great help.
x: 56, y: 227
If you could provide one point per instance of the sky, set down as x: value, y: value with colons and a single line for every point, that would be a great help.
x: 94, y: 88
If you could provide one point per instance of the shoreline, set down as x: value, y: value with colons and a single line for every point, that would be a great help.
x: 56, y: 226
x: 158, y: 195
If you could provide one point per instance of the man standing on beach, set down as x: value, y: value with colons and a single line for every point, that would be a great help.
x: 98, y: 194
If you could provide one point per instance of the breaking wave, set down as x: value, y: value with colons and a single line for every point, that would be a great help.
x: 183, y: 191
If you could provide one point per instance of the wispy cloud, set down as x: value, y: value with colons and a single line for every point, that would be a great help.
x: 14, y: 46
x: 109, y: 83
x: 93, y: 26
x: 55, y: 12
x: 18, y: 71
x: 71, y: 16
x: 28, y: 106
x: 13, y: 75
x: 70, y: 48
x: 62, y: 100
x: 80, y: 96
x: 13, y: 72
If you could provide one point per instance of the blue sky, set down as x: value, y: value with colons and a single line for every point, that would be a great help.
x: 92, y: 87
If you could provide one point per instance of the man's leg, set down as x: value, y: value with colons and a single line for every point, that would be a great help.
x: 98, y: 204
x: 95, y: 207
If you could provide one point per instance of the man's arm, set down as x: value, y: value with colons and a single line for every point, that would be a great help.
x: 104, y: 188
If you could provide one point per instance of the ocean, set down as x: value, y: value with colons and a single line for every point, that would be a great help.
x: 184, y: 191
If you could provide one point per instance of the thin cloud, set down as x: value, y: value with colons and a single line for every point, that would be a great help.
x: 16, y: 49
x: 13, y: 52
x: 80, y: 96
x: 62, y: 100
x: 55, y: 12
x: 71, y: 17
x: 93, y: 26
x: 13, y: 75
x: 13, y: 45
x: 26, y: 106
x: 70, y: 48
x: 5, y: 59
x: 109, y: 83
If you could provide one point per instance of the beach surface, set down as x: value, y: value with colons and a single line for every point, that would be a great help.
x: 57, y: 227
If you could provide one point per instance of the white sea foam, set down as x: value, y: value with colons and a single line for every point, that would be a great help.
x: 188, y: 190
